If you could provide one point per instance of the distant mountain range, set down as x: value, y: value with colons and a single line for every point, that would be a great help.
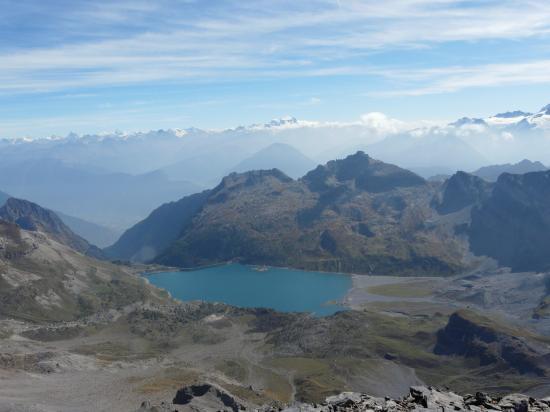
x: 97, y: 235
x: 114, y: 200
x: 355, y: 215
x: 116, y: 179
x: 205, y: 156
x: 491, y: 173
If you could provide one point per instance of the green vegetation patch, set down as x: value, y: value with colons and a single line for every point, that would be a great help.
x: 403, y: 290
x: 314, y: 379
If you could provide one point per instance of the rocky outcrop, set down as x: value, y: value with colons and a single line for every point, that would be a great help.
x: 425, y: 399
x: 207, y: 397
x: 362, y: 172
x: 472, y: 336
x: 419, y: 399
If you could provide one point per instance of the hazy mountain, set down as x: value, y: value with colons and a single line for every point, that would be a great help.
x: 32, y: 217
x: 98, y: 235
x: 204, y: 156
x: 277, y: 156
x: 114, y: 200
x: 354, y: 215
x: 428, y: 154
x: 491, y: 173
x: 513, y: 224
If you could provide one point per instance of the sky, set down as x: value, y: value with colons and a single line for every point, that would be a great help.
x: 89, y: 66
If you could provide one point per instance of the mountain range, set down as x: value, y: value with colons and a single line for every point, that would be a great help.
x: 116, y: 179
x: 491, y: 173
x: 355, y: 215
x: 114, y: 200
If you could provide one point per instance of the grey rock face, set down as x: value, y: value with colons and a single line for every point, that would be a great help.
x: 425, y: 399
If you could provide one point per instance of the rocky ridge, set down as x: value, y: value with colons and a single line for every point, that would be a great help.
x: 419, y: 398
x: 32, y: 217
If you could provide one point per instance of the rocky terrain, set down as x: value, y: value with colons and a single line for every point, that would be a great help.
x: 42, y: 279
x: 419, y: 398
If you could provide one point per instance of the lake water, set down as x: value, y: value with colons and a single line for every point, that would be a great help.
x: 285, y: 290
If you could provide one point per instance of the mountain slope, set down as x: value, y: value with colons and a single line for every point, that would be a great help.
x: 31, y: 217
x: 43, y: 280
x: 491, y: 173
x: 354, y: 215
x: 148, y: 238
x: 513, y: 224
x: 277, y: 156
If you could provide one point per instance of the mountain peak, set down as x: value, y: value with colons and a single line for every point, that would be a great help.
x: 545, y: 109
x: 468, y: 121
x: 250, y: 178
x: 282, y: 121
x: 360, y: 171
x: 512, y: 114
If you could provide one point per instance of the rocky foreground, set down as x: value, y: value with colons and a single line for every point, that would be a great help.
x: 208, y: 397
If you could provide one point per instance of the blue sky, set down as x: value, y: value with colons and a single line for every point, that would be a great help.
x: 96, y: 65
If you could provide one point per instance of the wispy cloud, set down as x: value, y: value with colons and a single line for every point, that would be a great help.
x: 103, y: 43
x: 452, y: 79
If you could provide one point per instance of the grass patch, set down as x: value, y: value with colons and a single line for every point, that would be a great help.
x: 233, y: 369
x: 171, y: 380
x: 314, y: 379
x: 402, y: 290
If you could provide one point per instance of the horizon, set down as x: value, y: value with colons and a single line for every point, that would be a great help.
x: 89, y: 67
x: 366, y: 119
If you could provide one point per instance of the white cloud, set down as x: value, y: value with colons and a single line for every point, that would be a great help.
x: 382, y: 124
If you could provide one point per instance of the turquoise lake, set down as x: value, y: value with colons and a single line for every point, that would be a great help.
x: 285, y: 290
